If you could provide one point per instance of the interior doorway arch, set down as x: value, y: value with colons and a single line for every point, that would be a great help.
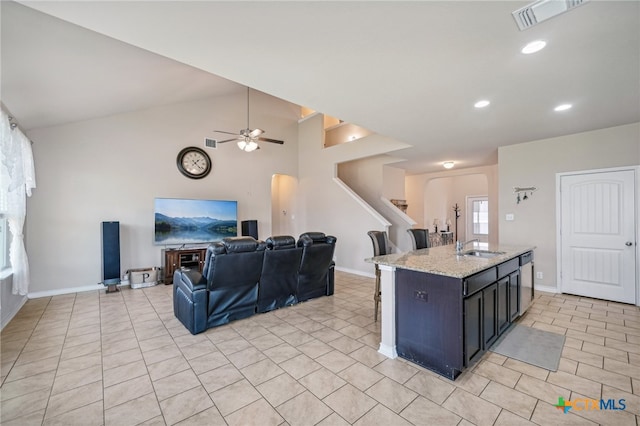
x: 442, y: 193
x: 283, y: 205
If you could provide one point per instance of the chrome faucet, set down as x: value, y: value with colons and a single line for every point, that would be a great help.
x: 460, y: 246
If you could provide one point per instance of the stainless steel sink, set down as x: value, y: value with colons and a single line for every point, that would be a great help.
x: 482, y: 253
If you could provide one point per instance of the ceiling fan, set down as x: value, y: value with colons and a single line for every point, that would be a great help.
x: 247, y: 139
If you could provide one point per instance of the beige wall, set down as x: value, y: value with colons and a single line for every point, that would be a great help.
x: 113, y: 168
x: 283, y: 205
x: 536, y: 164
x: 453, y: 186
x: 327, y: 207
x: 372, y: 178
x: 365, y: 176
x: 441, y: 194
x: 393, y: 183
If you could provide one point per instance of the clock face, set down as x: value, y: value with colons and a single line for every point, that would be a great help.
x: 194, y: 162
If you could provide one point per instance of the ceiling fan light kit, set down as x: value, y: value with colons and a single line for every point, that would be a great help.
x: 247, y: 139
x: 247, y: 146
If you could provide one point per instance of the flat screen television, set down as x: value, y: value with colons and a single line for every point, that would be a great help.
x: 184, y: 221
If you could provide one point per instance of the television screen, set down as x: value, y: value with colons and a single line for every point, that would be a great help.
x: 182, y: 221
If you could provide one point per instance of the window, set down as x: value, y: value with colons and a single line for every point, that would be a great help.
x: 480, y: 217
x: 477, y: 218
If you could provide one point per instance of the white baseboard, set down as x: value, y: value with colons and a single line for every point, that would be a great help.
x: 388, y: 351
x: 354, y: 272
x: 58, y: 292
x: 546, y: 288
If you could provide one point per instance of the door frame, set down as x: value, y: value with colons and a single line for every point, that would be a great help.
x: 468, y: 217
x: 636, y: 170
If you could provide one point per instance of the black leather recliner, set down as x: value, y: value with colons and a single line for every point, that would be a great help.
x: 316, y: 277
x: 279, y: 280
x: 227, y: 289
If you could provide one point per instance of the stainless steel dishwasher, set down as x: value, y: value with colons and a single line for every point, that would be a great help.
x: 526, y: 281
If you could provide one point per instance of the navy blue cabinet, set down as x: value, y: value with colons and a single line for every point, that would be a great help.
x: 514, y: 295
x: 446, y: 324
x: 429, y: 321
x: 473, y: 342
x: 490, y: 306
x: 504, y: 317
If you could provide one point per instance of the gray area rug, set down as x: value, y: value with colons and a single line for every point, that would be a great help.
x: 536, y: 347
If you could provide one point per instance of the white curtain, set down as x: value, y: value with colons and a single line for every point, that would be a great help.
x: 18, y: 179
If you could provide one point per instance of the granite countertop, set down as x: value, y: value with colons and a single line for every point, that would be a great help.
x: 443, y: 260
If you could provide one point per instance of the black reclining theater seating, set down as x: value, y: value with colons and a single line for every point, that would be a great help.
x: 227, y: 289
x: 317, y: 267
x: 279, y: 279
x: 242, y: 276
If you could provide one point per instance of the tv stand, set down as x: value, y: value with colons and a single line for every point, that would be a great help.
x: 188, y: 258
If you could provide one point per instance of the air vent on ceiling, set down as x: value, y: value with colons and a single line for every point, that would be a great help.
x: 211, y: 143
x: 542, y: 10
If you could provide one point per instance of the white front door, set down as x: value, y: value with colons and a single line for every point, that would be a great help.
x: 598, y: 246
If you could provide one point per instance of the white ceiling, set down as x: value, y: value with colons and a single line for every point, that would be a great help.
x: 407, y: 70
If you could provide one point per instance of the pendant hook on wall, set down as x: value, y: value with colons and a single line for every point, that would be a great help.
x: 523, y: 190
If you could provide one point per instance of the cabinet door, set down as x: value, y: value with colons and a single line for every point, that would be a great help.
x: 177, y: 259
x: 473, y: 328
x: 514, y: 295
x: 503, y: 304
x: 490, y: 314
x: 170, y: 265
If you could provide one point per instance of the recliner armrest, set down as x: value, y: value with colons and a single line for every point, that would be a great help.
x: 192, y: 280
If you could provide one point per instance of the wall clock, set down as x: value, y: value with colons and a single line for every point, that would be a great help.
x: 193, y: 162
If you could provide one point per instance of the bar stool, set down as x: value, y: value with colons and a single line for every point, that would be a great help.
x: 419, y: 238
x: 380, y: 242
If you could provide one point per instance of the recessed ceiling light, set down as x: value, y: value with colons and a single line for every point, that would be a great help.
x: 481, y: 104
x: 563, y: 107
x: 534, y: 47
x: 448, y: 164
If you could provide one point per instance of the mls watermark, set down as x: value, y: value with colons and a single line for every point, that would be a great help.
x: 587, y: 404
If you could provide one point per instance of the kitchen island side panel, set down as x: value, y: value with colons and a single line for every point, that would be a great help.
x: 429, y: 319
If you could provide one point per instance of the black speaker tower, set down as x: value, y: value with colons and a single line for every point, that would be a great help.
x: 250, y: 228
x: 111, y: 255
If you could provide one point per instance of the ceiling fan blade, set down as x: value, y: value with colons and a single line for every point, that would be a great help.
x: 228, y: 140
x: 226, y: 133
x: 255, y: 133
x: 271, y: 140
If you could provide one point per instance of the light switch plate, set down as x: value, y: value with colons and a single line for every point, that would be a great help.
x: 509, y: 216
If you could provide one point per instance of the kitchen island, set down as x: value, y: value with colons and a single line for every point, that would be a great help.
x: 443, y: 310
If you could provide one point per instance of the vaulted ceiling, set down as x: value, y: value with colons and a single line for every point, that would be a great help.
x: 408, y: 70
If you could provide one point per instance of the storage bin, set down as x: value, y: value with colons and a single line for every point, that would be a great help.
x: 143, y: 277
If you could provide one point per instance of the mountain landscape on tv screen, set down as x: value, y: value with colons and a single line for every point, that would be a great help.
x: 182, y: 230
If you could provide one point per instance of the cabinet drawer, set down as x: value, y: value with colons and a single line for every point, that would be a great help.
x: 508, y: 267
x: 479, y: 281
x: 526, y: 258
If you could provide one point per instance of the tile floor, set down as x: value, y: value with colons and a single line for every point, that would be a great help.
x: 123, y: 359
